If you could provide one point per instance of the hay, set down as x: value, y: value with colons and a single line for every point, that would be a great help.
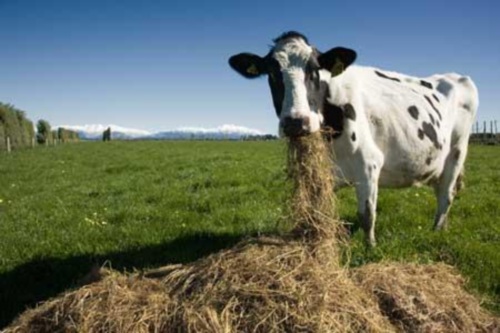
x: 313, y: 205
x: 424, y: 298
x: 257, y: 286
x: 290, y: 284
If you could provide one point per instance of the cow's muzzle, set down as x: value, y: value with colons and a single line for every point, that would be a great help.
x: 294, y: 127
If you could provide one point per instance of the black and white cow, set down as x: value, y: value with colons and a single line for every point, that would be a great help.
x: 387, y: 129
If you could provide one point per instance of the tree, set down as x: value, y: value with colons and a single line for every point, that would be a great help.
x: 15, y: 126
x: 66, y: 135
x: 106, y: 135
x: 43, y: 132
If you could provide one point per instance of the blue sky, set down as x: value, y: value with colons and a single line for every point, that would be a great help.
x: 159, y: 65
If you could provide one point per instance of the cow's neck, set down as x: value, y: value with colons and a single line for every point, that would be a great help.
x: 336, y: 93
x: 333, y: 115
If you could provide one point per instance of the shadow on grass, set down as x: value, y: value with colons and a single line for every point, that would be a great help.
x: 41, y: 279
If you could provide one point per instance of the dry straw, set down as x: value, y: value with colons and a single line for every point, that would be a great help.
x: 424, y: 298
x: 290, y: 284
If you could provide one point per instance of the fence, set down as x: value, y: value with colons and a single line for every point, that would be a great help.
x: 483, y: 136
x: 50, y: 142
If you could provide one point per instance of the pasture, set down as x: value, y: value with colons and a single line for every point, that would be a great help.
x: 139, y: 204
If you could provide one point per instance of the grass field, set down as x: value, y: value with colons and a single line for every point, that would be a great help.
x: 143, y: 204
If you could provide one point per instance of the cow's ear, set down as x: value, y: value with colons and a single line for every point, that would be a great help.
x: 249, y: 65
x: 337, y: 60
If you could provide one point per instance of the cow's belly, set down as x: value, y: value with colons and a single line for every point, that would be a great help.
x: 391, y: 179
x: 411, y: 165
x: 401, y: 165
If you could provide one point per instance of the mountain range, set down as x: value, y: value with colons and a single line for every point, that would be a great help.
x: 231, y: 132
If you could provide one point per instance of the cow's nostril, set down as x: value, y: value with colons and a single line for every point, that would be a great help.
x: 294, y: 126
x: 306, y: 122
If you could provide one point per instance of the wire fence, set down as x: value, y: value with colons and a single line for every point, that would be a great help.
x: 486, y: 135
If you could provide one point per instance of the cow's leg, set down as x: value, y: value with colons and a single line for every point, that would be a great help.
x: 446, y: 188
x: 367, y: 192
x: 459, y: 184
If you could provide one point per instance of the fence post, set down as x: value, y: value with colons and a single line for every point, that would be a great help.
x: 8, y: 144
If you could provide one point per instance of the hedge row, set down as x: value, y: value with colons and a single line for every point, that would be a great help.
x: 15, y: 125
x: 20, y: 130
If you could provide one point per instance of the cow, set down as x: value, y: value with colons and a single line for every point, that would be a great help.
x: 387, y: 129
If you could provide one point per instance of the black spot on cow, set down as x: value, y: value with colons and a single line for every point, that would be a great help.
x: 428, y: 160
x: 457, y: 154
x: 420, y: 134
x: 353, y: 136
x: 290, y: 35
x: 413, y: 112
x: 433, y: 122
x: 432, y: 105
x: 467, y: 107
x: 333, y: 121
x: 438, y: 124
x: 349, y: 111
x: 435, y: 97
x: 444, y: 87
x: 275, y: 80
x: 431, y: 133
x: 426, y: 84
x: 382, y: 75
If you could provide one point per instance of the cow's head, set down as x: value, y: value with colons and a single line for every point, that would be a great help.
x: 298, y: 76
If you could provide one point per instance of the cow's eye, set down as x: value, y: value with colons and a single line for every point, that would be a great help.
x: 314, y: 77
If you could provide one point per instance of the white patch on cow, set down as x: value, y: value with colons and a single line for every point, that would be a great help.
x: 293, y: 55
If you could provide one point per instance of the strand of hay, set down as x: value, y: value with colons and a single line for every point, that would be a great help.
x: 424, y: 298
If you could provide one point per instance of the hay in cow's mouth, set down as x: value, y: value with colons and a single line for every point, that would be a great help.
x: 294, y: 283
x: 312, y: 205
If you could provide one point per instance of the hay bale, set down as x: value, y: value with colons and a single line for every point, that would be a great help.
x: 117, y: 303
x: 264, y: 285
x: 424, y: 298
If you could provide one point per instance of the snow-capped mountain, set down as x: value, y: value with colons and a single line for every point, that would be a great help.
x: 233, y: 132
x: 221, y: 132
x: 94, y: 132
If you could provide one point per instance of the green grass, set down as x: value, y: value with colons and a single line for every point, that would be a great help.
x: 144, y: 204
